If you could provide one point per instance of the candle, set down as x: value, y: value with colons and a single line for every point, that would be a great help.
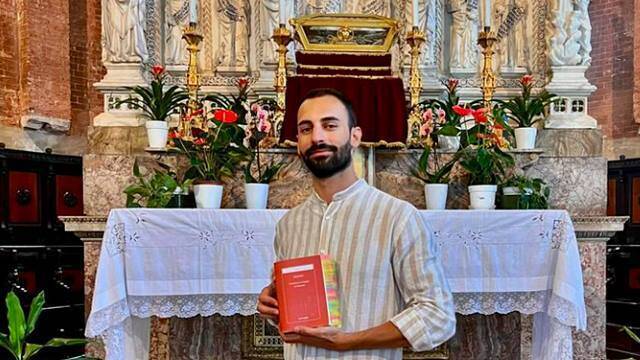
x: 282, y: 9
x: 487, y: 13
x: 193, y: 11
x: 415, y: 12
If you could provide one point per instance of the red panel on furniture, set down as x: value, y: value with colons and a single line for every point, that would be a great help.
x: 69, y: 200
x: 24, y: 201
x: 379, y: 105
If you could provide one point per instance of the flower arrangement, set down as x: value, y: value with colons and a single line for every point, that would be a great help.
x: 440, y: 173
x: 259, y: 124
x: 214, y: 153
x: 448, y: 120
x: 156, y: 103
x: 526, y: 109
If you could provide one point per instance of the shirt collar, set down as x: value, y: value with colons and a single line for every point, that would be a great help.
x: 341, y: 195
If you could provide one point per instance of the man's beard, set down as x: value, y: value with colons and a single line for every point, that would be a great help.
x: 328, y: 166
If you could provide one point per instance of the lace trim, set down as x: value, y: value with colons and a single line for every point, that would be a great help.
x: 523, y: 302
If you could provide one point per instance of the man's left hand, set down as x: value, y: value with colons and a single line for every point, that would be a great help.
x: 324, y: 337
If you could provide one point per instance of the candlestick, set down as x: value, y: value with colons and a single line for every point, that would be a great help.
x: 486, y: 40
x: 415, y: 12
x: 487, y: 13
x: 281, y: 11
x: 193, y: 11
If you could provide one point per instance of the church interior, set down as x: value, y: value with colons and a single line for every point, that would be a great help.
x: 148, y: 148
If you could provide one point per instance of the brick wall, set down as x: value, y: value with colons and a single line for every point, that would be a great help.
x: 636, y: 63
x: 612, y: 69
x: 9, y: 64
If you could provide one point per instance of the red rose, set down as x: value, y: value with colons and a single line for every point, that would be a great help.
x: 157, y: 70
x: 526, y: 80
x: 226, y: 116
x: 461, y: 111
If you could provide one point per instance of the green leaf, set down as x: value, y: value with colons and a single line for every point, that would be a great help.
x: 5, y: 343
x: 59, y: 342
x: 17, y: 326
x: 34, y: 312
x: 31, y: 350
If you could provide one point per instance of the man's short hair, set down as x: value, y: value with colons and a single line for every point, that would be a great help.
x: 319, y: 92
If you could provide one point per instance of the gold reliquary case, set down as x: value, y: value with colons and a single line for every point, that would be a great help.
x: 345, y: 33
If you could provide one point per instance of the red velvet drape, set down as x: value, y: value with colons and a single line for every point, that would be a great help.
x: 378, y: 103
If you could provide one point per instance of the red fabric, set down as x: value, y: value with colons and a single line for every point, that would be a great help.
x: 349, y: 71
x: 379, y: 104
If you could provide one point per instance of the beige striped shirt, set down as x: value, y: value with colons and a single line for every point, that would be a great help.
x: 387, y: 268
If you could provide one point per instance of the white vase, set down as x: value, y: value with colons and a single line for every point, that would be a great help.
x: 482, y: 197
x: 448, y: 143
x: 436, y: 196
x: 208, y: 196
x: 256, y: 195
x: 157, y: 132
x: 525, y: 138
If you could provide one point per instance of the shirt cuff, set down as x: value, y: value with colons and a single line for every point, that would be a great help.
x: 413, y: 328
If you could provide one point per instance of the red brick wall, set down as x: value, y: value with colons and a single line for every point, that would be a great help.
x: 9, y: 68
x: 50, y: 57
x: 612, y: 68
x: 636, y: 63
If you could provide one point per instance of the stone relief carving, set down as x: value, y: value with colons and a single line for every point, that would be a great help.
x: 372, y: 7
x: 463, y: 52
x: 269, y: 19
x: 570, y: 26
x: 123, y: 35
x: 308, y: 7
x: 176, y: 18
x: 233, y: 18
x: 513, y: 48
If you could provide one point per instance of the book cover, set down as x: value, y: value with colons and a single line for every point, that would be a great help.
x: 307, y: 290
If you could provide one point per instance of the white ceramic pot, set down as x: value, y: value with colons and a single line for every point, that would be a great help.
x: 256, y: 195
x: 436, y: 196
x: 448, y: 143
x: 157, y: 132
x: 482, y: 197
x: 208, y: 196
x: 525, y: 138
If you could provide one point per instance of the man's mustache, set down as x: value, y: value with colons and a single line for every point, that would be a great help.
x: 319, y: 147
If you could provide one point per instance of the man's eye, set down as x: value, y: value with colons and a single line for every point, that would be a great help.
x: 331, y: 126
x: 304, y: 130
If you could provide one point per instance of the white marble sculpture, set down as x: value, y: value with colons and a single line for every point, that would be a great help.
x: 428, y: 23
x: 582, y: 7
x: 370, y: 7
x: 464, y: 34
x: 308, y: 7
x: 233, y: 34
x: 513, y: 50
x: 269, y: 20
x: 570, y: 43
x: 123, y: 35
x: 176, y: 18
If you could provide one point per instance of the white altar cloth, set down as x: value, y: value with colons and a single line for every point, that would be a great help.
x: 188, y: 262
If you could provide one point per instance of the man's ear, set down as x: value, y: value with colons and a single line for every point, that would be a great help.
x: 356, y: 136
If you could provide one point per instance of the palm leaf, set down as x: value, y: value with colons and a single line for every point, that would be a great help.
x: 17, y: 326
x: 34, y: 312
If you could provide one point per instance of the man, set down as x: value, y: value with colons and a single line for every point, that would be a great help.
x: 391, y: 287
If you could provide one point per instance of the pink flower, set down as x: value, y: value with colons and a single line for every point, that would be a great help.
x: 427, y: 116
x: 425, y: 130
x: 442, y: 116
x: 255, y: 107
x: 262, y: 114
x: 264, y: 126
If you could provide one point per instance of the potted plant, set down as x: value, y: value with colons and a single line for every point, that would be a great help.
x: 526, y: 110
x: 483, y: 158
x: 162, y: 190
x: 157, y: 105
x: 521, y: 192
x: 15, y: 342
x: 214, y: 154
x: 447, y: 121
x: 258, y: 127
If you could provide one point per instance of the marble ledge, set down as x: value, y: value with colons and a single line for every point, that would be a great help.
x: 587, y: 228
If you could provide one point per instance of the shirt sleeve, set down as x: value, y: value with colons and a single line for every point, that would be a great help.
x: 428, y: 318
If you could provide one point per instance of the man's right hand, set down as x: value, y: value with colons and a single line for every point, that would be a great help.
x: 268, y: 304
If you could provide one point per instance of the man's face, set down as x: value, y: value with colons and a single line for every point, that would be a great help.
x: 324, y: 137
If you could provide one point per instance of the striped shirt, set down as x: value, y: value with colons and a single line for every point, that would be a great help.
x: 387, y: 268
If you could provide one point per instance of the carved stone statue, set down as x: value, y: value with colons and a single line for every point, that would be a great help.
x: 233, y: 32
x: 307, y: 7
x: 177, y: 16
x: 513, y: 49
x: 464, y: 34
x: 582, y: 6
x: 269, y: 20
x: 427, y: 22
x: 123, y: 23
x: 567, y: 27
x: 370, y: 7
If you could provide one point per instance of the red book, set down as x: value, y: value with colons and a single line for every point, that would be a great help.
x: 307, y: 292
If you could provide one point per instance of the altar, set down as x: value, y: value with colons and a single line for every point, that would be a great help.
x: 183, y: 263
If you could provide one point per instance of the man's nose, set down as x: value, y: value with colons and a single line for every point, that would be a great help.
x: 318, y: 135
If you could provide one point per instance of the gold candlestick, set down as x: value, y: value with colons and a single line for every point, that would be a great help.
x: 282, y: 37
x: 486, y: 39
x: 193, y: 39
x: 415, y: 39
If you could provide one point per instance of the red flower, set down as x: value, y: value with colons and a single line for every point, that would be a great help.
x: 196, y: 113
x: 242, y: 83
x: 200, y: 141
x: 479, y: 116
x: 157, y: 70
x: 526, y: 80
x: 452, y: 84
x: 195, y: 132
x: 174, y: 134
x: 461, y: 110
x: 226, y: 116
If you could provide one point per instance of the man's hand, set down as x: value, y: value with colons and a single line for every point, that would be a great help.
x: 323, y: 337
x: 268, y: 304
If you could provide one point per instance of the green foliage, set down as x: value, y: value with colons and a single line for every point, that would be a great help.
x: 440, y: 175
x: 631, y: 334
x: 155, y: 192
x: 19, y: 329
x: 525, y: 109
x: 534, y: 192
x: 254, y: 136
x: 485, y: 165
x: 154, y: 101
